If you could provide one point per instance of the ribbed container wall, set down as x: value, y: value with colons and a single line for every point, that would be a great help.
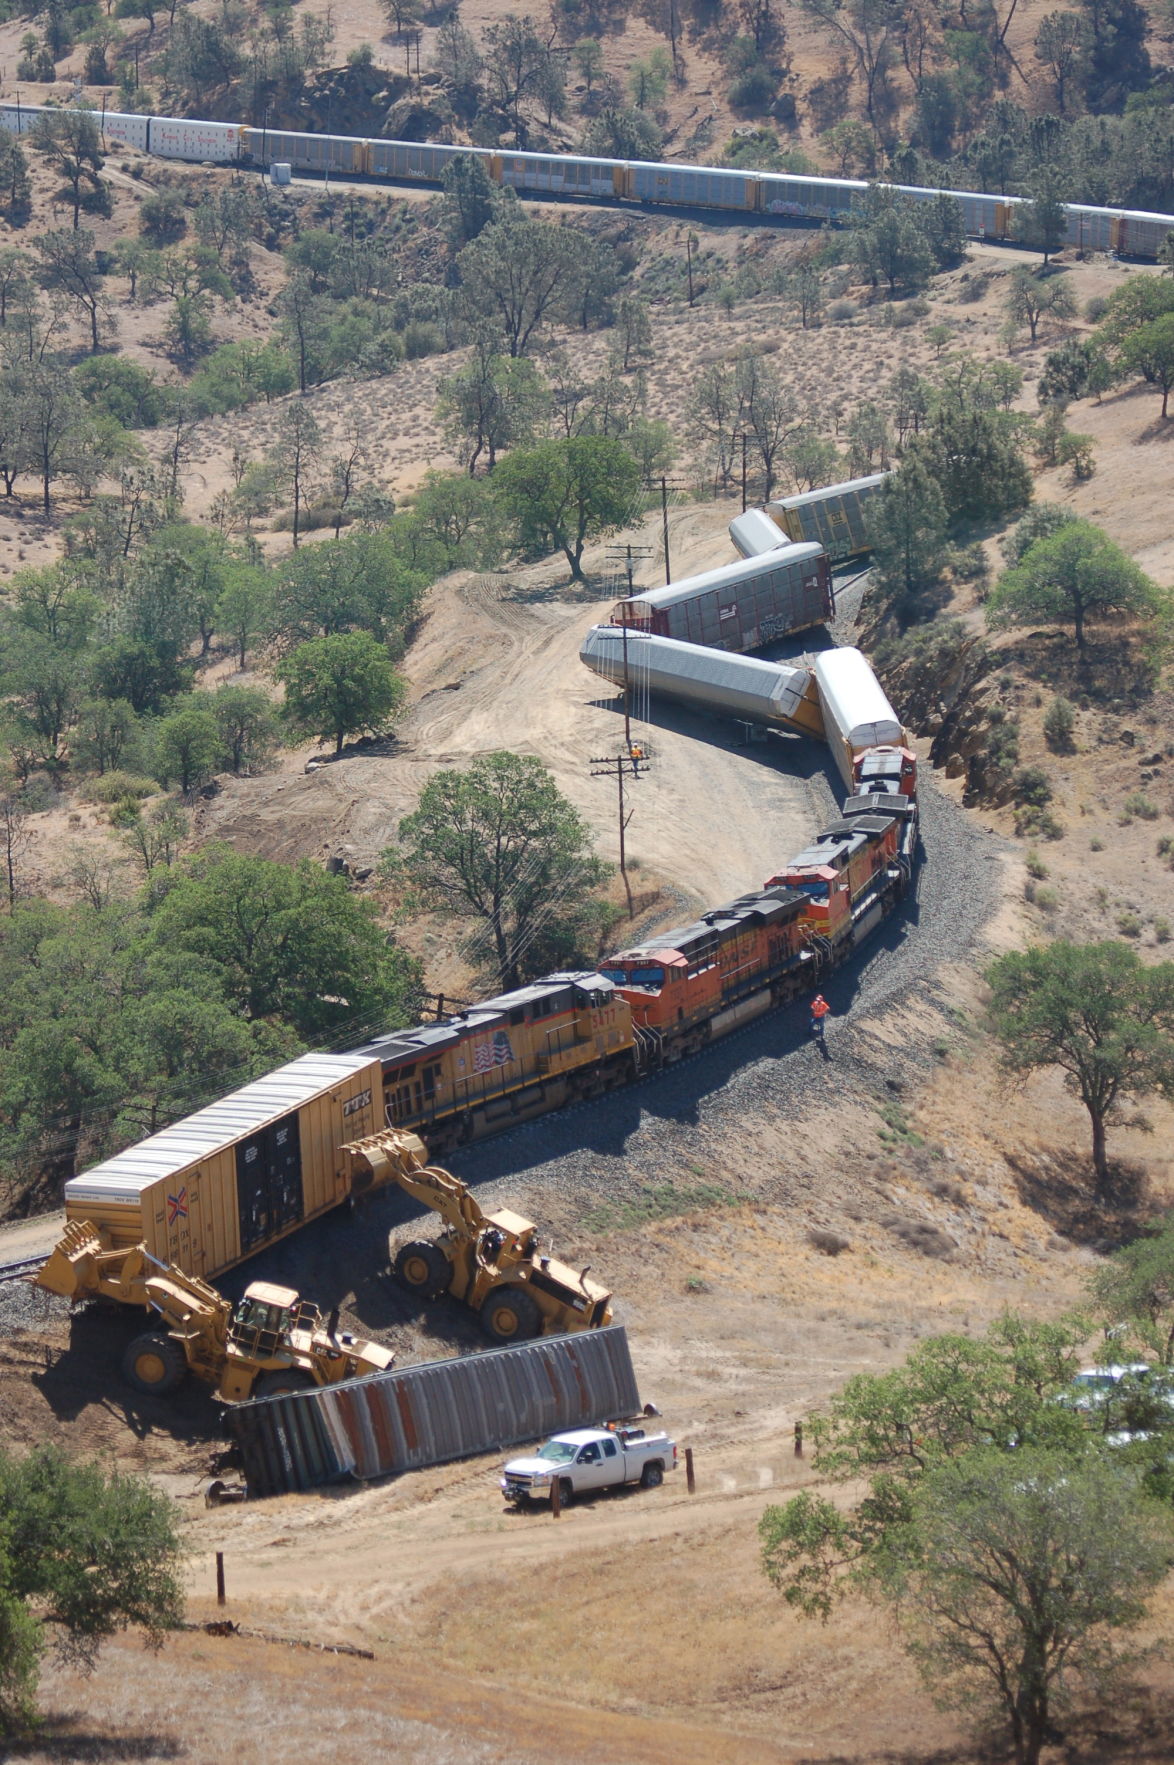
x: 442, y: 1410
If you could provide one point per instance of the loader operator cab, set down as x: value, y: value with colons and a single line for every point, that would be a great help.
x: 264, y: 1319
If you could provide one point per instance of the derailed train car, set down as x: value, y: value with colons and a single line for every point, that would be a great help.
x: 739, y: 606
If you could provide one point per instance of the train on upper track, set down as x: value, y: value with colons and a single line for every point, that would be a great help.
x: 779, y: 195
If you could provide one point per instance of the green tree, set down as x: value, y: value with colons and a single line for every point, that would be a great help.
x: 564, y: 493
x: 1096, y: 1012
x: 286, y: 941
x: 491, y: 403
x: 120, y: 388
x: 517, y: 68
x: 246, y: 725
x: 500, y: 841
x: 1042, y: 220
x: 521, y: 272
x: 89, y: 1550
x: 1135, y: 1288
x: 890, y: 243
x: 1149, y: 351
x: 460, y: 513
x: 68, y: 262
x: 188, y: 747
x: 69, y: 139
x: 105, y: 730
x: 1030, y: 298
x: 244, y: 611
x: 907, y: 529
x: 954, y: 1395
x: 470, y: 198
x: 976, y: 458
x: 1062, y: 43
x: 1040, y: 522
x: 339, y: 686
x: 1013, y: 1576
x: 1075, y: 574
x: 357, y: 583
x: 188, y: 328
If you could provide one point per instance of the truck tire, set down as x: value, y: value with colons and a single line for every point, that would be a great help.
x: 652, y: 1476
x: 154, y: 1364
x: 566, y: 1492
x: 282, y: 1381
x: 510, y: 1315
x: 423, y: 1268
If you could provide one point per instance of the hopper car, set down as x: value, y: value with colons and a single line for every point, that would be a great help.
x: 783, y: 196
x: 739, y: 606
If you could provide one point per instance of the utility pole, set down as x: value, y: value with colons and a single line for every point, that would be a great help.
x: 629, y: 553
x: 743, y: 471
x: 690, y: 242
x: 664, y: 522
x: 615, y: 766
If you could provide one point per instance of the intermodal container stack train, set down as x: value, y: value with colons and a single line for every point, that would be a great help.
x: 782, y: 196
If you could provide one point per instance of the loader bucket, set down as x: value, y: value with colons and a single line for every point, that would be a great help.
x: 70, y: 1268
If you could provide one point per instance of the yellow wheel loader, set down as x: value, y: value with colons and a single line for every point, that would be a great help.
x: 270, y: 1342
x: 491, y: 1262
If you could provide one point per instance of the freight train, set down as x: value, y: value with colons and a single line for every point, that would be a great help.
x: 248, y: 1170
x: 781, y: 195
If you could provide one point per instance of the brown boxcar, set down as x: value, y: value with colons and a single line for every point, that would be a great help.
x: 223, y: 1183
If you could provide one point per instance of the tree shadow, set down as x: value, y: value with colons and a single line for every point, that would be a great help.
x: 87, y: 1373
x: 1114, y: 668
x: 1059, y: 1186
x: 60, y: 1737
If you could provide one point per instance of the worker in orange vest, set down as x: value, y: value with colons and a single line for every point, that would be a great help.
x: 819, y: 1011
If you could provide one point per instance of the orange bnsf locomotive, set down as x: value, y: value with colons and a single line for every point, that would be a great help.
x: 572, y: 1036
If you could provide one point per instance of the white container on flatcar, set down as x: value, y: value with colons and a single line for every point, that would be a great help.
x: 188, y: 138
x: 856, y: 713
x: 225, y: 1182
x: 753, y: 532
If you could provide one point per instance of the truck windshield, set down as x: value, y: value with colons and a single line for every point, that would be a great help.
x: 559, y: 1451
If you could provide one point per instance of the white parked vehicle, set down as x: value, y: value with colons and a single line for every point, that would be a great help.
x: 589, y: 1458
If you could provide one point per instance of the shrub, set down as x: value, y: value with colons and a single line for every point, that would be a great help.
x: 969, y: 563
x: 1166, y: 848
x: 420, y: 339
x: 1047, y: 900
x: 1095, y: 309
x: 1036, y: 866
x: 1038, y: 823
x: 1129, y: 924
x: 1139, y: 805
x: 1032, y: 786
x: 1060, y: 725
x: 841, y: 312
x: 1095, y: 845
x: 116, y: 787
x: 162, y: 216
x: 1162, y: 930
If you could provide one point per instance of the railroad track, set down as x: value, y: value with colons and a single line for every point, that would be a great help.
x: 22, y: 1268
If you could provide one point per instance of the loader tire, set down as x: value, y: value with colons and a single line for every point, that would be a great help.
x: 423, y: 1268
x: 652, y: 1476
x: 510, y: 1315
x: 154, y: 1364
x: 282, y: 1381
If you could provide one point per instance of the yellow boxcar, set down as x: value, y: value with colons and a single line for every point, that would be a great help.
x: 250, y: 1168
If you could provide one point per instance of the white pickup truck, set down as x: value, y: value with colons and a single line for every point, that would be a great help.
x: 589, y: 1458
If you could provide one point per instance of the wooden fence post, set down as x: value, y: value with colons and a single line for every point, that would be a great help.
x: 556, y: 1498
x: 690, y: 1479
x: 220, y: 1596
